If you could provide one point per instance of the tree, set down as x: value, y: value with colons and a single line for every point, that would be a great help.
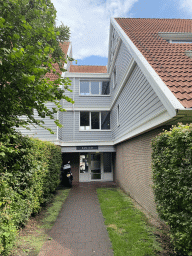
x: 29, y: 48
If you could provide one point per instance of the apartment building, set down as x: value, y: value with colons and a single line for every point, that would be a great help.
x: 118, y: 109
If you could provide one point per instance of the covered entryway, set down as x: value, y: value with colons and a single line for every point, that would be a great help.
x: 90, y: 163
x: 95, y: 166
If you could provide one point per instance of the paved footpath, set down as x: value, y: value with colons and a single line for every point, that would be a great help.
x: 79, y: 228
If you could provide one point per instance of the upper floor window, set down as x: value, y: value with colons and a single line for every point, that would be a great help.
x: 92, y: 88
x: 94, y: 120
x: 114, y: 77
x: 118, y: 119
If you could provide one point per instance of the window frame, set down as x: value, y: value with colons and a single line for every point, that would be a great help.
x: 89, y: 129
x: 100, y: 88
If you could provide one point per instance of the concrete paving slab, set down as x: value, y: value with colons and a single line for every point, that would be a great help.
x: 79, y: 229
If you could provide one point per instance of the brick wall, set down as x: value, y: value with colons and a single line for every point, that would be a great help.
x: 133, y: 169
x: 74, y: 159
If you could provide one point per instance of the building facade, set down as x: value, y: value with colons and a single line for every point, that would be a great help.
x: 119, y: 109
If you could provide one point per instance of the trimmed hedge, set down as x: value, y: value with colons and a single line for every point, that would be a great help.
x: 29, y: 174
x: 172, y: 176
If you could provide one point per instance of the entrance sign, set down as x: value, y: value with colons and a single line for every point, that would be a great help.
x: 86, y: 147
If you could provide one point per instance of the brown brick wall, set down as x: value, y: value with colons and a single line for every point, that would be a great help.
x: 133, y: 169
x: 74, y: 159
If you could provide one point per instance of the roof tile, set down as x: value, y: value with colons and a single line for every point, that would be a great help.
x: 52, y: 76
x: 88, y: 69
x: 168, y: 60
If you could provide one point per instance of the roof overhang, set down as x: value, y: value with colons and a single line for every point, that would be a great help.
x: 168, y: 99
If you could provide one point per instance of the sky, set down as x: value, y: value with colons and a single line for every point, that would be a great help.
x: 89, y: 21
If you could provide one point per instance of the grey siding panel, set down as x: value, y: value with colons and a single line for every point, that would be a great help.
x: 137, y: 104
x: 122, y: 62
x: 69, y: 94
x: 38, y: 132
x: 67, y: 129
x: 113, y: 44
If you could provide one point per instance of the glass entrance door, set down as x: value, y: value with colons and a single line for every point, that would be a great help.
x: 95, y: 166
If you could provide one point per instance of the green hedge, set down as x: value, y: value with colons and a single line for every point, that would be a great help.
x: 172, y: 176
x: 29, y: 174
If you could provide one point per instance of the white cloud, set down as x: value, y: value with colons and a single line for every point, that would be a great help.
x: 89, y: 23
x: 186, y: 5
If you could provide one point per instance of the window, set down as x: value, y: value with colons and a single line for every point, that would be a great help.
x: 92, y: 88
x: 95, y: 120
x: 84, y: 88
x: 114, y: 77
x: 118, y: 123
x: 84, y: 120
x: 105, y: 120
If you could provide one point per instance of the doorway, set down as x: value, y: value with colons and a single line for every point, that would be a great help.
x: 95, y: 167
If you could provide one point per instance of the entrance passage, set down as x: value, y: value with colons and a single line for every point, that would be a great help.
x: 95, y: 167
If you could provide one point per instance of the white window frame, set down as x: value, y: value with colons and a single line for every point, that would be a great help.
x: 88, y: 128
x: 100, y: 88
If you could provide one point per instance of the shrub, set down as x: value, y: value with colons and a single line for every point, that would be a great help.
x: 29, y: 174
x: 172, y: 176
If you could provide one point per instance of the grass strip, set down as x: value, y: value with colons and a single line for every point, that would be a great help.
x: 34, y: 235
x: 127, y: 226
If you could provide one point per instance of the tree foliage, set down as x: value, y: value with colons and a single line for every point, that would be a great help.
x: 29, y: 48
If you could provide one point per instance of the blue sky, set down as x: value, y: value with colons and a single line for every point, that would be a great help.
x: 89, y: 21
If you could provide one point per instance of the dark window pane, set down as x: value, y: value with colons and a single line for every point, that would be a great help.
x: 84, y: 88
x: 105, y: 88
x: 94, y: 120
x: 84, y: 118
x: 95, y: 176
x: 105, y: 120
x: 107, y: 162
x: 94, y: 87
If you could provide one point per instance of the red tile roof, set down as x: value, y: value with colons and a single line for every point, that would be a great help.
x: 88, y: 69
x: 52, y: 76
x: 167, y: 59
